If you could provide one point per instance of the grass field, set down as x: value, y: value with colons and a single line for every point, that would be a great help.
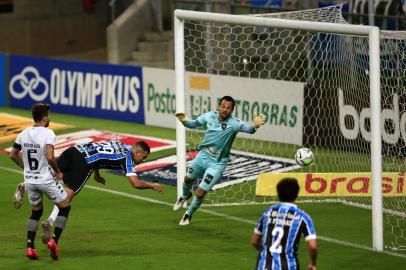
x: 117, y: 227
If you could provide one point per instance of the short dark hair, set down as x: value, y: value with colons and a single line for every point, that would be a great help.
x: 228, y: 98
x: 40, y: 110
x: 144, y: 146
x: 288, y: 189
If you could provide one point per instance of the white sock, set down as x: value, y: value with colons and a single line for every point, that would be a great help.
x: 53, y: 215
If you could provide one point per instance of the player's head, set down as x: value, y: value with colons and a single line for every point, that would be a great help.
x: 226, y: 107
x: 41, y: 114
x: 288, y: 189
x: 140, y: 152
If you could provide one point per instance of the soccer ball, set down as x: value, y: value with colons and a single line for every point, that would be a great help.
x: 304, y: 157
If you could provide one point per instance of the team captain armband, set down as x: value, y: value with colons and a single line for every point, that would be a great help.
x: 17, y: 146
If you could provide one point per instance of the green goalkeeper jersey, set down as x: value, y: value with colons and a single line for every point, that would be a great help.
x: 219, y: 135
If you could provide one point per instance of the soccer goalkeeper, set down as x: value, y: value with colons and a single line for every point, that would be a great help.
x: 221, y: 130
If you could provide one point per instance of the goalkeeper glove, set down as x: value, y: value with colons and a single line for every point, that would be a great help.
x: 182, y: 117
x: 258, y: 120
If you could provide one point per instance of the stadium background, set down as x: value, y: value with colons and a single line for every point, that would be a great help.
x: 115, y: 226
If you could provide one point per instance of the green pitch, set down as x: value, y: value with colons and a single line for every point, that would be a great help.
x: 117, y: 227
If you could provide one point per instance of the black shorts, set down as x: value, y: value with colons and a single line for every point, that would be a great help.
x: 75, y: 169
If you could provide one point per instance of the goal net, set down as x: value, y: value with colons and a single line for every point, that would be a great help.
x: 314, y: 87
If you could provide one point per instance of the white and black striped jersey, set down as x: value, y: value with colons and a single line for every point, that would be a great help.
x: 32, y: 141
x: 281, y: 227
x: 108, y: 155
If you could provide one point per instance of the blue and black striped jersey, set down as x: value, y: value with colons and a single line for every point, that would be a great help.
x: 108, y: 155
x: 281, y: 227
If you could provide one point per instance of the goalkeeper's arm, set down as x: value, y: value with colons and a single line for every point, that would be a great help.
x: 185, y: 120
x: 257, y: 121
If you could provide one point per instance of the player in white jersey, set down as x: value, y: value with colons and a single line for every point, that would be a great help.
x: 38, y: 161
x: 221, y: 129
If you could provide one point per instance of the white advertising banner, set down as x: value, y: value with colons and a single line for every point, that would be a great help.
x: 281, y: 102
x: 159, y: 97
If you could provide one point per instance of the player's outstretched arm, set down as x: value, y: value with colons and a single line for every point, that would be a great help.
x: 185, y: 120
x: 139, y: 184
x: 312, y: 247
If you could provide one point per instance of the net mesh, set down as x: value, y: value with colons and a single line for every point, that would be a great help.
x: 334, y: 70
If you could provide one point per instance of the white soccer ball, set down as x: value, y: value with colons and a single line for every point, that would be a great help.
x: 304, y: 157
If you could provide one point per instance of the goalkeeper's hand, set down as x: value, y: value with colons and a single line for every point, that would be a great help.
x: 258, y: 120
x: 182, y: 117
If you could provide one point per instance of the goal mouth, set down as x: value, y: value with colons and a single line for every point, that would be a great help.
x: 246, y: 166
x: 321, y: 83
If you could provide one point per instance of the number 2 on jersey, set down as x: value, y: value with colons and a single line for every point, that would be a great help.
x: 276, y: 245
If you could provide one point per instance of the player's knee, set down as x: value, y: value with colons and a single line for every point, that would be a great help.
x: 64, y: 203
x: 70, y: 193
x: 64, y: 211
x: 200, y: 193
x: 36, y: 214
x: 187, y: 180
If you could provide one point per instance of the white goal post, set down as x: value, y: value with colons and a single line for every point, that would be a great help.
x: 373, y: 35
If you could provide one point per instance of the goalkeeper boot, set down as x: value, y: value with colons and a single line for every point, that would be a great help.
x: 31, y: 253
x: 53, y: 249
x: 181, y: 202
x: 185, y: 219
x: 46, y: 231
x: 19, y: 195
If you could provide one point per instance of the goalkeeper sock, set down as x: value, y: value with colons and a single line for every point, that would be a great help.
x: 186, y: 189
x: 196, y: 202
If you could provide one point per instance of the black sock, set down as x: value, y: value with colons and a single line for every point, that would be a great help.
x: 30, y: 239
x: 32, y: 226
x: 57, y: 234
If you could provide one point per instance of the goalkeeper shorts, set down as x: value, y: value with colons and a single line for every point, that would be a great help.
x: 207, y: 167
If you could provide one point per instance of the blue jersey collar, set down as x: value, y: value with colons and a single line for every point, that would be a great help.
x: 289, y: 204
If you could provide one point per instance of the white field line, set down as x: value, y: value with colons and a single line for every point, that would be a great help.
x: 218, y: 214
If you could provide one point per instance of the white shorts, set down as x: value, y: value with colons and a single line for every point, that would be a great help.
x: 54, y: 191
